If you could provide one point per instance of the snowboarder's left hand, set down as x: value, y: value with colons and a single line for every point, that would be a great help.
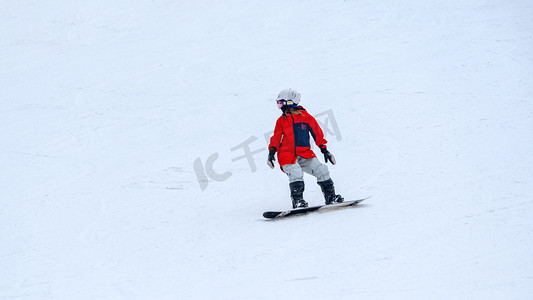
x: 328, y: 156
x: 271, y: 157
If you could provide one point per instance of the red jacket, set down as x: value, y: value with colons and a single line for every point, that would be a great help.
x: 291, y: 137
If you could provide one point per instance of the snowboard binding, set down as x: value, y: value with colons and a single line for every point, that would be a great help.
x: 328, y: 189
x: 297, y: 191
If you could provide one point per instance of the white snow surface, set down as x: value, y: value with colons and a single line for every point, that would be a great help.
x: 108, y: 106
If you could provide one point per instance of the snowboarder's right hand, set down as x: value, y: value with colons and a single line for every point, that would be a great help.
x: 271, y: 157
x: 328, y: 156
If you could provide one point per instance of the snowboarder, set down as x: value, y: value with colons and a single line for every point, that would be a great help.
x: 291, y: 141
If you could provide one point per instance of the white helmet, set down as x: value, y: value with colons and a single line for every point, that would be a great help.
x: 288, y: 97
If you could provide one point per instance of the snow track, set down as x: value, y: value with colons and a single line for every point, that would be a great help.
x: 106, y: 107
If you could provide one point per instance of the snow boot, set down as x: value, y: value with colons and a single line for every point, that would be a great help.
x: 329, y: 192
x: 297, y: 194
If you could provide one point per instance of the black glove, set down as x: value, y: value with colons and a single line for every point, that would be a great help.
x: 328, y: 156
x: 271, y: 157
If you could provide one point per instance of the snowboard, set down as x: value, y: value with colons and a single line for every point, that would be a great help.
x: 297, y: 211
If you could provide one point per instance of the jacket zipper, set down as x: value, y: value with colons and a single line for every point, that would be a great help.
x: 294, y: 139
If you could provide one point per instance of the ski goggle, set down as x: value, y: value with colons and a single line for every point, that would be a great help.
x: 284, y: 102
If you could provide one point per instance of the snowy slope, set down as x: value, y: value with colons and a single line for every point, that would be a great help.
x: 125, y: 123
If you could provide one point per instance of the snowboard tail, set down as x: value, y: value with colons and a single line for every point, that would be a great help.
x: 297, y: 211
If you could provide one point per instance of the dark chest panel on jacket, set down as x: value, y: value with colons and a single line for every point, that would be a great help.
x: 301, y: 134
